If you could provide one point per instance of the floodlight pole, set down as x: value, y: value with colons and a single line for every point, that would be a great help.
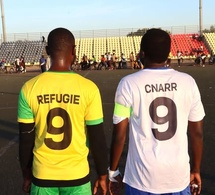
x: 3, y: 22
x: 200, y: 17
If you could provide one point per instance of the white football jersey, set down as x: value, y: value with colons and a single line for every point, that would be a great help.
x: 160, y: 103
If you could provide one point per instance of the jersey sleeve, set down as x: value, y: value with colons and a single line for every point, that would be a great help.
x: 25, y: 114
x: 197, y: 112
x: 122, y: 106
x: 94, y: 111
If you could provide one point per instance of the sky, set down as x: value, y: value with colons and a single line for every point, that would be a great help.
x: 23, y: 16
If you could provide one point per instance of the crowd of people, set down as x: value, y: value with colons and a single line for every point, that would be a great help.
x: 20, y: 64
x: 198, y: 55
x: 17, y: 66
x: 109, y: 61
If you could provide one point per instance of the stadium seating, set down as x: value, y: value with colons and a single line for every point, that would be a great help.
x: 189, y: 44
x: 127, y: 45
x: 30, y: 50
x: 137, y: 40
x: 99, y: 47
x: 113, y: 44
x: 86, y: 47
x: 210, y: 40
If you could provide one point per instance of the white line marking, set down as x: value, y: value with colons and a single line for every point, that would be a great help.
x: 86, y: 74
x: 10, y: 143
x: 7, y: 108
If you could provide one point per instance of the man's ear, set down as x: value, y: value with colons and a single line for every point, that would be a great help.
x: 47, y: 50
x: 73, y: 56
x: 141, y: 54
x: 74, y: 50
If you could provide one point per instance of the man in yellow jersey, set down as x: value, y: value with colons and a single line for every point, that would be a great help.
x: 59, y: 111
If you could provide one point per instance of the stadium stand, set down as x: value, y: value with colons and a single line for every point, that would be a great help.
x: 30, y: 50
x: 86, y: 47
x: 99, y: 47
x: 210, y: 41
x: 137, y: 40
x: 113, y: 44
x: 188, y: 44
x: 127, y: 45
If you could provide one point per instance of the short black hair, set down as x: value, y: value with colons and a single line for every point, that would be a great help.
x: 156, y: 44
x: 60, y: 40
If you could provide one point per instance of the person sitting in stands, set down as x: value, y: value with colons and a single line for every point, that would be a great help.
x: 102, y: 63
x: 122, y: 63
x: 2, y: 65
x: 109, y: 60
x: 131, y: 57
x: 114, y: 59
x: 22, y: 64
x: 84, y: 63
x: 138, y: 64
x: 17, y: 60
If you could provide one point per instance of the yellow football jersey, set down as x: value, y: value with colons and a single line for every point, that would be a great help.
x: 60, y: 104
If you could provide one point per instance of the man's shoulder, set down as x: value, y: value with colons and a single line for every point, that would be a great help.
x: 183, y: 74
x: 32, y: 80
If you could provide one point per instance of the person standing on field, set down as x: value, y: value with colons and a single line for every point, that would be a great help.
x: 158, y: 104
x: 48, y: 63
x: 179, y: 57
x: 60, y: 119
x: 43, y: 63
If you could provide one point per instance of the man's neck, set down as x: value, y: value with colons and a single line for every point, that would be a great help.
x: 156, y: 65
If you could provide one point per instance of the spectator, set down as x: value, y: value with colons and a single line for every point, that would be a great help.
x: 22, y: 65
x: 48, y: 63
x: 43, y: 63
x: 154, y: 105
x: 102, y: 63
x: 43, y: 39
x: 94, y: 62
x: 122, y: 63
x: 84, y: 63
x: 105, y: 56
x: 138, y: 64
x: 203, y: 56
x: 17, y: 61
x: 179, y: 57
x: 58, y: 112
x: 109, y: 60
x: 114, y: 59
x: 169, y: 59
x: 131, y: 58
x: 2, y: 65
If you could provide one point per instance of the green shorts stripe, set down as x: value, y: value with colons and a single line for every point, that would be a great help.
x: 84, y: 189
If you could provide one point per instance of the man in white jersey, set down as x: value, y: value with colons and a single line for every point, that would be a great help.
x: 158, y: 104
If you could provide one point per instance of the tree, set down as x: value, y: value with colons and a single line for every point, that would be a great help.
x: 211, y: 30
x: 139, y: 32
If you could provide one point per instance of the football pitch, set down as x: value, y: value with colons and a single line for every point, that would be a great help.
x: 10, y: 84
